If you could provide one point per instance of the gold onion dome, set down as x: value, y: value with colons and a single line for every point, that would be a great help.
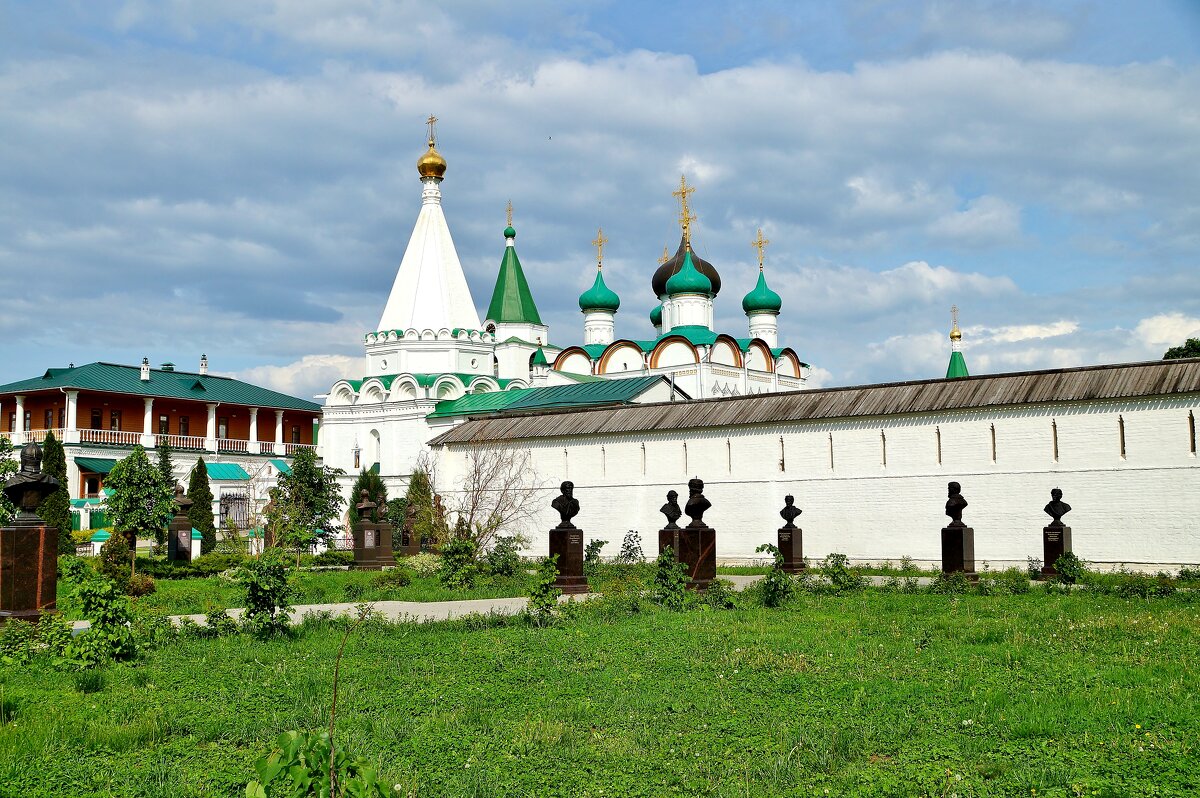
x: 431, y: 164
x: 956, y: 334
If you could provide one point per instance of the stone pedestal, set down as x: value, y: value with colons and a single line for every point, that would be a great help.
x: 1056, y: 541
x: 567, y: 543
x: 409, y: 543
x: 791, y: 547
x: 373, y: 545
x: 696, y: 548
x: 958, y: 550
x: 179, y: 539
x: 28, y: 568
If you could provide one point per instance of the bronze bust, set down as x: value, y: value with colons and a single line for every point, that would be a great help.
x: 566, y: 504
x: 671, y: 510
x: 28, y: 487
x: 955, y: 504
x: 1057, y: 508
x: 696, y: 503
x: 790, y: 512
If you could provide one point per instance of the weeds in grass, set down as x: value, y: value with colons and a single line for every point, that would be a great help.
x: 543, y: 599
x: 631, y: 549
x: 777, y: 586
x: 670, y: 582
x: 842, y: 578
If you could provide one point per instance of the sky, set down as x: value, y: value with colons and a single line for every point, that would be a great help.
x: 237, y: 177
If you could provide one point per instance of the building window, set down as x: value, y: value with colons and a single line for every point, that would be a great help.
x: 883, y: 447
x: 603, y: 462
x: 1054, y: 438
x: 643, y: 459
x: 685, y: 464
x: 114, y: 420
x: 12, y: 421
x: 937, y: 431
x: 164, y: 425
x: 97, y: 418
x: 295, y: 434
x: 357, y: 457
x: 49, y: 420
x: 1192, y: 433
x: 222, y: 428
x: 782, y: 455
x: 728, y: 456
x: 1121, y: 434
x: 183, y: 426
x: 62, y: 417
x: 28, y: 420
x: 831, y: 450
x: 993, y: 443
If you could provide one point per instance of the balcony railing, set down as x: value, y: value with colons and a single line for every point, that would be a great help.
x: 20, y: 438
x: 110, y: 437
x: 181, y: 442
x: 291, y: 448
x: 234, y: 445
x: 127, y: 438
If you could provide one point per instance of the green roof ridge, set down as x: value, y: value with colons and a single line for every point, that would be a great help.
x: 599, y: 296
x: 512, y: 301
x: 688, y: 280
x: 957, y: 367
x: 762, y: 299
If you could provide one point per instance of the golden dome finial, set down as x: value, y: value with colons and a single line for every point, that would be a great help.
x: 760, y: 244
x: 955, y: 333
x: 508, y: 213
x: 686, y: 217
x: 599, y: 243
x: 665, y: 257
x: 431, y: 164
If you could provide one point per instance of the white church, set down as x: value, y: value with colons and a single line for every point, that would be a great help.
x: 628, y: 420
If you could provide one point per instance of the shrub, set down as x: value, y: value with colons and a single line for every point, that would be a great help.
x: 217, y: 623
x: 329, y: 557
x: 906, y: 564
x: 459, y: 569
x: 392, y: 579
x: 1034, y: 567
x: 74, y: 569
x: 631, y: 549
x: 153, y: 629
x: 504, y: 559
x: 115, y: 561
x: 54, y: 633
x: 1070, y: 568
x: 268, y: 593
x: 721, y: 595
x: 842, y: 578
x: 109, y: 637
x: 1187, y: 574
x: 423, y: 565
x: 543, y: 598
x: 18, y: 642
x: 140, y: 585
x: 950, y: 584
x: 670, y: 582
x: 202, y: 567
x: 1009, y: 582
x: 777, y: 586
x: 301, y: 765
x: 591, y: 552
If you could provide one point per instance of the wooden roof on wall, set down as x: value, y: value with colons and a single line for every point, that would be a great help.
x: 1088, y: 383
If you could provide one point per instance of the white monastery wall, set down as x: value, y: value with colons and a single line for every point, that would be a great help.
x: 875, y: 488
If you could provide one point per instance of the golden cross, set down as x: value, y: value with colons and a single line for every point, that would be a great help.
x: 665, y: 257
x: 431, y: 121
x: 599, y: 243
x: 508, y: 212
x: 760, y: 244
x: 685, y: 216
x: 954, y: 315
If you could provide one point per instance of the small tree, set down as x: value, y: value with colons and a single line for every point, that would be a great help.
x: 8, y: 467
x: 166, y: 472
x: 1190, y: 348
x: 311, y: 493
x: 372, y: 483
x: 289, y: 524
x: 498, y: 492
x: 420, y: 497
x: 55, y: 509
x: 140, y: 502
x: 201, y: 512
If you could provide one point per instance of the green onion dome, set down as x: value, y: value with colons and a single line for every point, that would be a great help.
x: 762, y: 299
x: 656, y: 315
x: 688, y: 280
x: 509, y: 232
x: 599, y: 296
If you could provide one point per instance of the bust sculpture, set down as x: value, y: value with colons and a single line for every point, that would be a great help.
x: 182, y: 502
x: 1057, y: 508
x: 671, y: 510
x: 696, y: 503
x: 955, y: 504
x: 28, y: 487
x: 366, y: 507
x: 566, y: 504
x: 790, y: 512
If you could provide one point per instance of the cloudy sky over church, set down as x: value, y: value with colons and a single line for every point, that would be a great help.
x: 238, y: 177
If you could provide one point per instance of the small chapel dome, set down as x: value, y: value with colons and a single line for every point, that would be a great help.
x: 674, y: 264
x: 688, y: 280
x: 599, y: 296
x: 656, y: 315
x: 762, y: 299
x: 509, y: 232
x: 431, y: 164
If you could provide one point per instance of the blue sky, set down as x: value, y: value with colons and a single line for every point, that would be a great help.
x: 237, y: 177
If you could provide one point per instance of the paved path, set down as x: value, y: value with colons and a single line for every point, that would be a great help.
x: 443, y: 610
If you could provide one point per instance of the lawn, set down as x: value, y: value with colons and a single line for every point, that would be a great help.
x: 868, y: 694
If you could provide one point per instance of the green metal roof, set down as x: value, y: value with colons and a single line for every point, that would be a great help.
x: 86, y: 502
x: 226, y: 471
x: 96, y: 465
x: 582, y: 394
x: 599, y: 296
x: 101, y: 536
x: 511, y: 299
x: 374, y: 469
x: 281, y: 466
x: 114, y: 378
x: 197, y: 534
x: 762, y: 299
x: 539, y: 359
x: 957, y: 366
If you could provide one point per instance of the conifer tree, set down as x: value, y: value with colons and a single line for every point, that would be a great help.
x: 200, y: 513
x: 312, y: 492
x: 55, y: 509
x: 140, y: 501
x: 420, y: 496
x: 372, y: 483
x: 166, y: 465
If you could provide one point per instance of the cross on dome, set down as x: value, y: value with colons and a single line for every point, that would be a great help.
x: 431, y: 121
x: 685, y: 216
x: 760, y: 244
x: 508, y: 213
x: 599, y: 243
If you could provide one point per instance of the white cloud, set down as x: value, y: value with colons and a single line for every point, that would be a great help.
x: 984, y: 222
x: 1167, y: 329
x: 1021, y: 332
x: 309, y: 376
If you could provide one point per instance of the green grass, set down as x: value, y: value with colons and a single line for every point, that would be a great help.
x: 867, y: 694
x: 194, y: 596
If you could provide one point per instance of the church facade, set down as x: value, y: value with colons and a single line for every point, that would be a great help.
x: 432, y: 353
